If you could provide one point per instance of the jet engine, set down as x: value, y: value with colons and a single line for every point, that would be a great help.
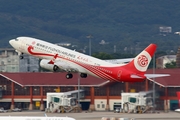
x: 57, y: 66
x: 44, y: 64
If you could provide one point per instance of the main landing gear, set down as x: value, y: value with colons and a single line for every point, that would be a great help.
x: 70, y: 75
x: 21, y: 56
x: 83, y: 75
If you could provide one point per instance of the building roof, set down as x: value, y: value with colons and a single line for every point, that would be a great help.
x: 59, y: 79
x: 170, y: 57
x: 51, y: 79
x: 171, y: 81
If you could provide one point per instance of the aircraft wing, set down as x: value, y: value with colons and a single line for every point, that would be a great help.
x: 64, y: 66
x: 156, y: 75
x: 60, y: 66
x: 119, y: 61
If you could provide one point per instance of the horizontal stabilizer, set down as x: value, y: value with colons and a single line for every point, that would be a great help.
x: 156, y: 75
x: 136, y: 76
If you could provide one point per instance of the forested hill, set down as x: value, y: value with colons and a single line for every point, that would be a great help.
x: 129, y: 24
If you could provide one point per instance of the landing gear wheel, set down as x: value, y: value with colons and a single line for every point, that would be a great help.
x: 83, y: 75
x: 21, y: 57
x: 69, y: 76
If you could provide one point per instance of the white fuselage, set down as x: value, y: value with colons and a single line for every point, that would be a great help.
x: 46, y: 50
x: 73, y: 61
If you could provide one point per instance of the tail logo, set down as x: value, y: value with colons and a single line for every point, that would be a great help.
x: 142, y: 61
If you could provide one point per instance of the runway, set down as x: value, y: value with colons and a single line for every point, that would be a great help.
x: 98, y: 115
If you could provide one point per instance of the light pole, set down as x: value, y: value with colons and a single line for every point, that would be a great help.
x: 154, y: 92
x: 89, y: 37
x: 78, y: 90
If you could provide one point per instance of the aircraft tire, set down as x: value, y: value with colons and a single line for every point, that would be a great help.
x: 69, y: 76
x: 83, y: 75
x: 21, y: 57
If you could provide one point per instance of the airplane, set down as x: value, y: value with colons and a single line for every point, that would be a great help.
x: 177, y: 110
x: 73, y: 61
x: 34, y: 118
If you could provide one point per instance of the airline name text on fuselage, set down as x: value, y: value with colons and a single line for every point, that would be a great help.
x: 56, y: 50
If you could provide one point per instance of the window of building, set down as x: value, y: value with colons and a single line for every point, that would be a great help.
x: 7, y: 91
x: 132, y: 100
x: 116, y: 89
x: 49, y: 89
x: 87, y: 91
x: 66, y: 89
x: 98, y: 105
x: 36, y: 90
x: 172, y: 91
x: 103, y: 105
x: 136, y: 87
x: 57, y: 100
x: 100, y: 91
x: 19, y: 90
x: 2, y: 62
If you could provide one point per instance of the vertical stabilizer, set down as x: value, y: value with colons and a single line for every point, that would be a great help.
x: 141, y: 62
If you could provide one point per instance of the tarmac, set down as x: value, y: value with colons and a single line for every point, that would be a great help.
x: 110, y: 115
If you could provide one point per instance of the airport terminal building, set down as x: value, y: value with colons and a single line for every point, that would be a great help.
x: 28, y: 90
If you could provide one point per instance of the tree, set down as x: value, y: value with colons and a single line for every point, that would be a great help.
x: 170, y: 65
x: 102, y: 55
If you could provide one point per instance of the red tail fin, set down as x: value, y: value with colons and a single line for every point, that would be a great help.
x: 141, y: 62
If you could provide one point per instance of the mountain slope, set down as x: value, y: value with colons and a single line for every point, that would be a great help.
x: 126, y: 24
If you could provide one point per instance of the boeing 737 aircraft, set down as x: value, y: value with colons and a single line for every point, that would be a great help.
x: 34, y: 118
x: 73, y: 61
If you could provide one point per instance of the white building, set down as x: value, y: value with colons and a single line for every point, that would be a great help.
x: 161, y: 61
x: 29, y: 64
x: 10, y: 62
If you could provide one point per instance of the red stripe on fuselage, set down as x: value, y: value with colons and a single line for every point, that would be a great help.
x: 30, y: 48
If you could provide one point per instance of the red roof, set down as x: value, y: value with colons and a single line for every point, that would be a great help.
x: 59, y: 79
x: 51, y: 79
x: 170, y: 81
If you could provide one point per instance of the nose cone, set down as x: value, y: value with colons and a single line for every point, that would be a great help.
x: 11, y: 42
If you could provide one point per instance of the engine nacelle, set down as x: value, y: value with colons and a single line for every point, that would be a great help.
x: 57, y: 66
x: 44, y: 64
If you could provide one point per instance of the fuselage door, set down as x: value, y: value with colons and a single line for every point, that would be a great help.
x: 119, y: 74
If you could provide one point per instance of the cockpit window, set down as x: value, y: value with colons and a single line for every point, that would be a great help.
x: 16, y: 39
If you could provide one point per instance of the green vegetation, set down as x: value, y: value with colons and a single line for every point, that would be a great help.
x: 106, y: 56
x: 131, y: 24
x: 171, y: 65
